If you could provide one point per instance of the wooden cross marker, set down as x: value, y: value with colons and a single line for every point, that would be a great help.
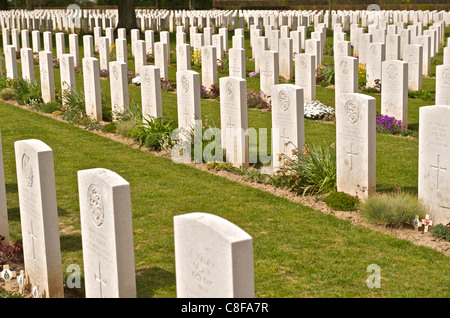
x: 426, y: 223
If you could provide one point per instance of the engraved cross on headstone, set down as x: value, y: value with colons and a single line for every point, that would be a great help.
x: 351, y: 154
x: 285, y: 140
x: 186, y: 115
x: 99, y: 279
x: 33, y: 237
x: 438, y: 168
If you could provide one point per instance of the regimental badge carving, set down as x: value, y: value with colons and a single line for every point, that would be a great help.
x: 446, y: 77
x: 44, y: 74
x: 184, y: 83
x: 207, y: 52
x: 341, y: 48
x: 351, y: 112
x: 373, y: 49
x: 147, y: 78
x: 115, y: 72
x: 392, y: 71
x: 63, y: 63
x: 283, y: 100
x: 344, y: 66
x: 302, y: 61
x: 27, y: 170
x: 181, y: 51
x: 229, y: 90
x: 96, y: 205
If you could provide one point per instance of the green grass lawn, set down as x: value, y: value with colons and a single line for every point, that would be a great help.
x: 298, y: 252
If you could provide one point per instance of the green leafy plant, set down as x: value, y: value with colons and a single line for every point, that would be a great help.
x: 49, y: 107
x: 132, y: 112
x: 155, y: 133
x: 325, y: 74
x: 74, y: 109
x: 392, y: 209
x: 25, y: 91
x: 110, y: 127
x: 313, y: 171
x: 441, y: 231
x: 422, y: 94
x: 341, y: 201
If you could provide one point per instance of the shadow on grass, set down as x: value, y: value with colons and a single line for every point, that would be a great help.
x: 70, y: 242
x: 389, y: 188
x: 150, y: 279
x: 11, y: 188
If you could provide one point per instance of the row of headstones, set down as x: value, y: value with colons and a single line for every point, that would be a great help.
x: 219, y: 266
x: 193, y: 100
x: 211, y: 267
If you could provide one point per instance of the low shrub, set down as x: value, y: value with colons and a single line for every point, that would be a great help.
x: 155, y: 133
x: 421, y: 94
x: 257, y: 100
x: 441, y: 231
x: 325, y: 75
x: 74, y: 109
x: 110, y: 127
x: 312, y: 171
x: 389, y: 125
x: 392, y: 209
x: 341, y: 201
x: 49, y: 107
x: 7, y: 94
x: 27, y: 91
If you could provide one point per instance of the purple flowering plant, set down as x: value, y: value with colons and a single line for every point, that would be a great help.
x: 389, y: 125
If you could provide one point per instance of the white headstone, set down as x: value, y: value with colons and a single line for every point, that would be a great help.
x: 375, y: 56
x: 160, y: 59
x: 434, y: 161
x: 47, y: 77
x: 92, y: 93
x: 188, y: 99
x: 236, y: 60
x: 443, y: 84
x: 413, y: 54
x: 88, y: 46
x: 107, y: 234
x: 74, y: 49
x: 285, y: 58
x: 394, y: 90
x: 345, y: 77
x: 119, y: 86
x: 355, y: 144
x: 151, y: 92
x: 234, y: 119
x: 11, y: 62
x: 268, y: 71
x: 209, y: 66
x: 213, y: 258
x: 39, y: 217
x: 305, y: 75
x: 67, y: 71
x: 288, y: 132
x: 27, y: 61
